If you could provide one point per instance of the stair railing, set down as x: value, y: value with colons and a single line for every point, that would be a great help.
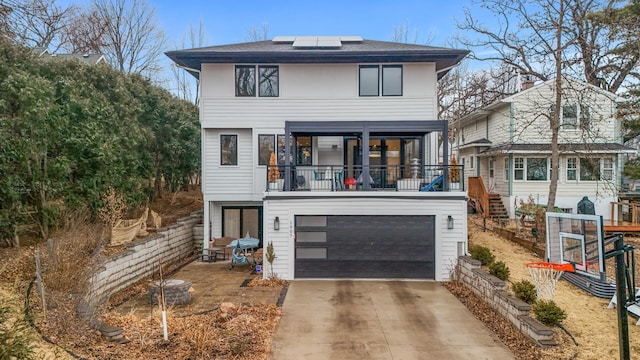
x: 478, y: 192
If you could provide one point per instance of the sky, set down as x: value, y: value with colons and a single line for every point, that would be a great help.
x: 227, y: 22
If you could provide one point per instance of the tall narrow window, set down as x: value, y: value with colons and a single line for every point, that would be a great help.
x: 607, y: 169
x: 281, y: 151
x: 518, y: 168
x: 392, y: 80
x: 492, y: 165
x: 369, y: 82
x: 269, y: 81
x: 506, y: 169
x: 572, y: 169
x: 570, y: 116
x: 266, y: 145
x: 303, y: 150
x: 228, y: 149
x: 585, y: 117
x: 245, y: 80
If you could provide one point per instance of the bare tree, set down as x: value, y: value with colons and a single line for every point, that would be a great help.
x: 258, y: 33
x: 126, y: 32
x: 405, y: 34
x: 36, y: 23
x: 535, y: 38
x: 186, y: 86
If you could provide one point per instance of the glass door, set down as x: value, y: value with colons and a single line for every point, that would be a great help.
x: 238, y: 221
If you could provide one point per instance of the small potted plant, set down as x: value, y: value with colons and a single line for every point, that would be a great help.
x: 454, y: 173
x: 273, y: 175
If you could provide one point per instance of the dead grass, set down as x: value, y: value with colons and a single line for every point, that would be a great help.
x: 588, y: 319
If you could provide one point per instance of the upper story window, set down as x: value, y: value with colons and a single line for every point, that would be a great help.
x: 573, y: 116
x: 370, y: 84
x: 268, y: 80
x: 266, y: 146
x: 228, y: 149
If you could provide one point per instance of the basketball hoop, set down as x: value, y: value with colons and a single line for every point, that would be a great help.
x: 545, y: 275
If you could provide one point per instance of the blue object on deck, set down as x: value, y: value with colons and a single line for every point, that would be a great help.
x: 435, y: 185
x: 240, y: 247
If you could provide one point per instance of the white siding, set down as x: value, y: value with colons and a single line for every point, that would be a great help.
x: 286, y: 208
x: 314, y: 92
x: 228, y: 182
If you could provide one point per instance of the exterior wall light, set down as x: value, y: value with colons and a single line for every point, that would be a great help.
x: 276, y: 223
x: 449, y: 222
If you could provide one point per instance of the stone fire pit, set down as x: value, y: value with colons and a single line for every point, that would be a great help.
x: 176, y: 292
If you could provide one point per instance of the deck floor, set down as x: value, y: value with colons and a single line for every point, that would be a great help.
x: 620, y: 226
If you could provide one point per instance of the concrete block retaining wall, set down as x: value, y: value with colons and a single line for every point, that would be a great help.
x: 169, y: 245
x: 492, y: 291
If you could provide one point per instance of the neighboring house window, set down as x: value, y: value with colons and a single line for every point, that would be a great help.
x: 228, y: 149
x: 492, y: 167
x: 589, y: 169
x: 369, y: 83
x: 518, y: 168
x: 572, y: 169
x: 585, y: 117
x: 303, y: 150
x: 269, y: 81
x: 506, y: 169
x: 607, y: 169
x: 570, y: 116
x: 245, y: 80
x: 537, y: 169
x: 392, y: 80
x: 370, y: 80
x: 266, y: 145
x: 471, y: 162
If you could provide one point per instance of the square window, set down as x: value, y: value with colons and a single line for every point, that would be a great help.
x: 537, y: 169
x: 369, y: 82
x: 245, y: 80
x: 228, y: 149
x: 392, y: 80
x: 589, y: 169
x: 266, y: 146
x: 269, y: 81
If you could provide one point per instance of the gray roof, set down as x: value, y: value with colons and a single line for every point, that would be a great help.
x: 266, y: 52
x: 564, y: 148
x: 86, y: 58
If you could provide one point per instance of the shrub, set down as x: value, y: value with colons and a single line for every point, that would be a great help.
x: 548, y: 313
x: 15, y: 343
x: 482, y: 254
x: 500, y: 270
x: 525, y: 291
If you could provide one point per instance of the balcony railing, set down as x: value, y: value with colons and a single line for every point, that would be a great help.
x: 371, y: 178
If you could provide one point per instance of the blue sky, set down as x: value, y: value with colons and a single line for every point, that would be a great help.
x: 228, y: 22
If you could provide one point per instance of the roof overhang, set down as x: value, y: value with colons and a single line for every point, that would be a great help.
x: 545, y: 149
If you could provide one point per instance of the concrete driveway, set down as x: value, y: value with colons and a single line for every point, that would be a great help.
x: 379, y: 320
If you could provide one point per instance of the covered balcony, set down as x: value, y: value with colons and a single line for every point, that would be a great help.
x: 364, y: 156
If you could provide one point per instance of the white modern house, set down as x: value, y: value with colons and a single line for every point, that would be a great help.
x: 508, y: 145
x: 353, y: 127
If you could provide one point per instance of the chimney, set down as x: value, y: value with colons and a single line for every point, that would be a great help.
x: 527, y: 82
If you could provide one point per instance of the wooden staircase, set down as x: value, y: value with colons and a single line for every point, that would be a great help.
x: 489, y: 205
x: 496, y: 207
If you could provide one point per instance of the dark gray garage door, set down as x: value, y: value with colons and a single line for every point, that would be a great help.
x: 365, y: 247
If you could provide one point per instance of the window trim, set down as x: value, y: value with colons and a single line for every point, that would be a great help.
x: 273, y: 138
x: 235, y: 152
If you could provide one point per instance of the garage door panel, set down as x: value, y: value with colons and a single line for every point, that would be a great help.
x: 394, y: 246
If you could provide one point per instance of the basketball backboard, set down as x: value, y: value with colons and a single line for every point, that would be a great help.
x: 576, y: 239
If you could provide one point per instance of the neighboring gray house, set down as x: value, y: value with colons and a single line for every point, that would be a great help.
x: 90, y: 59
x: 361, y: 120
